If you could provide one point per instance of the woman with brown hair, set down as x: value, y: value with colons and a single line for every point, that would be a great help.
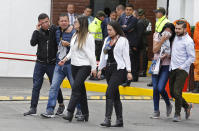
x: 115, y: 57
x: 82, y: 55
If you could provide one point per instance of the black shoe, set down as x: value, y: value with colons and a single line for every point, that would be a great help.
x: 107, y: 122
x: 127, y: 83
x: 102, y: 77
x: 91, y: 77
x: 31, y: 112
x: 142, y: 74
x: 69, y: 116
x: 135, y: 80
x: 196, y: 87
x: 83, y: 118
x: 169, y: 110
x: 188, y: 111
x: 60, y: 110
x: 150, y: 84
x: 48, y: 115
x: 119, y: 123
x: 196, y: 90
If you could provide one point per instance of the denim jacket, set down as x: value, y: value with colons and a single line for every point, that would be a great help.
x: 62, y: 50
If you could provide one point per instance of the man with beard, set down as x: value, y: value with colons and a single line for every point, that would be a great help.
x: 182, y: 56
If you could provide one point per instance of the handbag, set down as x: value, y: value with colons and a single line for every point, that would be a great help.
x: 152, y: 67
x: 155, y: 67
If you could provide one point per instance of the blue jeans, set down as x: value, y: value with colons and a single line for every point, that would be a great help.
x: 60, y: 73
x: 39, y: 71
x: 159, y: 82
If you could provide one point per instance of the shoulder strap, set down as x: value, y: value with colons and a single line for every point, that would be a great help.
x: 61, y: 32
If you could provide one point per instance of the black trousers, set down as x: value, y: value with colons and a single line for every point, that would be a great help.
x: 98, y: 49
x: 144, y: 60
x: 135, y: 63
x: 114, y: 78
x: 79, y: 96
x: 176, y: 83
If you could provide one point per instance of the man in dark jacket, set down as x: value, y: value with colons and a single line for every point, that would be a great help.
x: 113, y: 17
x: 129, y: 23
x: 143, y: 30
x: 120, y: 10
x: 71, y: 13
x: 44, y: 38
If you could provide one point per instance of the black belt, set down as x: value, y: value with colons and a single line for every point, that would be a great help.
x: 111, y: 63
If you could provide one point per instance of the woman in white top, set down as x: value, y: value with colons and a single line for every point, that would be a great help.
x: 115, y: 57
x: 82, y: 55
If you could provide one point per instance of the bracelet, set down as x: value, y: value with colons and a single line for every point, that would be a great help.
x: 129, y: 72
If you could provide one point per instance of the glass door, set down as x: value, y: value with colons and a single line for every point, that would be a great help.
x: 105, y: 5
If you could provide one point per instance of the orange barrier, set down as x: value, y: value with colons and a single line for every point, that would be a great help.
x: 196, y: 65
x: 196, y: 36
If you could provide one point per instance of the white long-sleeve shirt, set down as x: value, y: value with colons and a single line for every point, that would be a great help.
x: 84, y: 56
x: 183, y: 53
x: 120, y: 53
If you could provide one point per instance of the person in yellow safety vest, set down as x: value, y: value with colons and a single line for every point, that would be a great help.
x: 196, y: 63
x: 161, y: 19
x: 96, y: 30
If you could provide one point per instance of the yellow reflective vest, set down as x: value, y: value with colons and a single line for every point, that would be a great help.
x: 95, y: 29
x: 160, y: 24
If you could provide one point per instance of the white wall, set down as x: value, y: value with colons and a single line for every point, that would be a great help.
x: 162, y: 3
x: 196, y: 12
x: 187, y: 9
x: 18, y: 21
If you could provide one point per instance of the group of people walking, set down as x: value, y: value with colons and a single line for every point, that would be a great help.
x: 71, y: 50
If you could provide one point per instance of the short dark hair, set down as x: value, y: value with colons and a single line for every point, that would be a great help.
x: 183, y: 23
x: 130, y: 5
x: 63, y: 15
x: 42, y: 16
x: 120, y: 7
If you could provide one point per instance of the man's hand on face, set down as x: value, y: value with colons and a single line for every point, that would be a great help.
x: 38, y: 26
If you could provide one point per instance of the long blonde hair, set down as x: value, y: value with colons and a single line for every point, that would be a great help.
x: 83, y: 31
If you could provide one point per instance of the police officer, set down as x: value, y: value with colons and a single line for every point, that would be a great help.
x: 96, y: 30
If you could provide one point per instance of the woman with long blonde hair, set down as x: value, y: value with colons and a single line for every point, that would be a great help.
x: 83, y: 61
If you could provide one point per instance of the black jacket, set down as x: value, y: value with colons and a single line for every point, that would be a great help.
x: 142, y: 33
x: 47, y: 46
x: 130, y: 31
